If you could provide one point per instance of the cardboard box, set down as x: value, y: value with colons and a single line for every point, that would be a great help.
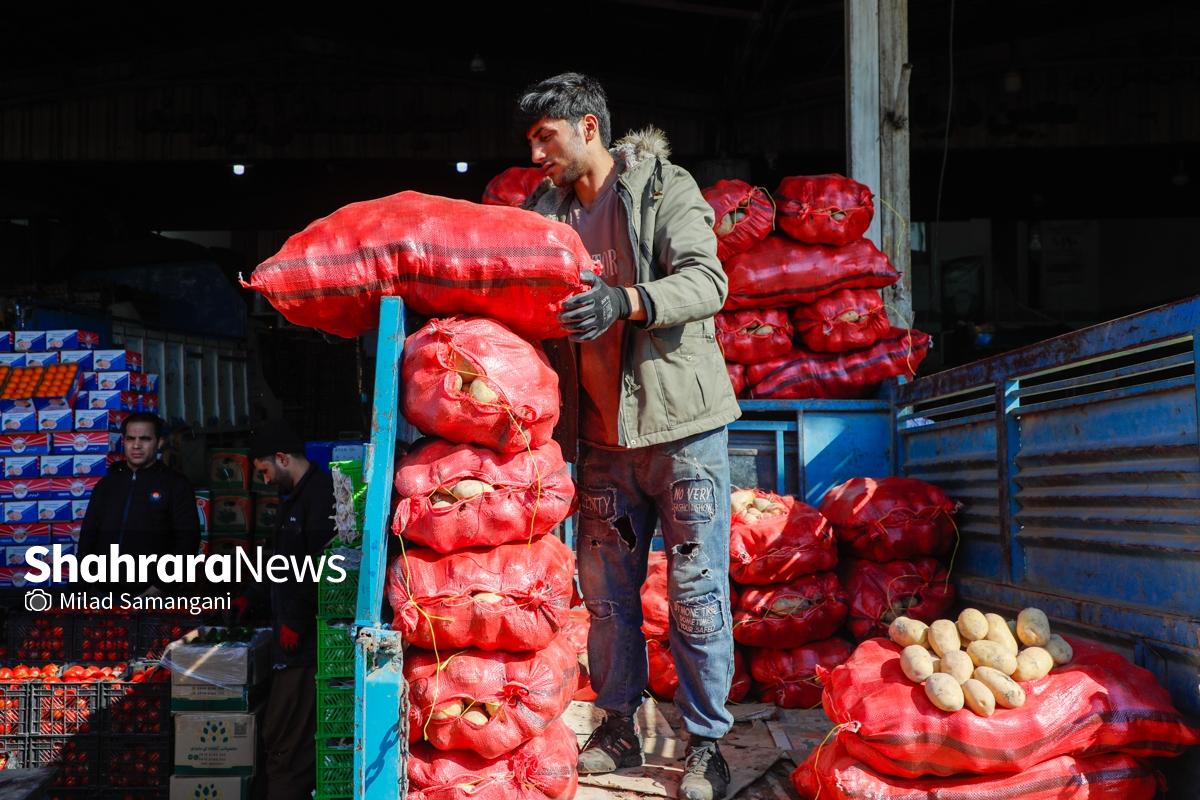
x: 150, y: 382
x: 65, y: 532
x: 54, y: 511
x: 94, y: 400
x: 232, y: 513
x: 23, y: 421
x: 109, y: 381
x: 22, y: 444
x: 203, y: 508
x: 21, y: 512
x: 79, y: 509
x: 72, y: 340
x: 206, y: 697
x: 225, y: 664
x: 29, y: 341
x: 56, y: 466
x: 69, y: 488
x: 149, y: 403
x: 21, y: 467
x: 266, y: 513
x: 215, y: 742
x: 41, y: 359
x: 12, y: 359
x: 321, y: 453
x: 85, y: 442
x: 6, y: 341
x: 26, y: 535
x: 25, y: 489
x: 211, y: 787
x: 229, y: 470
x: 93, y: 465
x: 13, y: 576
x: 55, y: 419
x: 89, y: 420
x: 84, y: 358
x: 117, y: 360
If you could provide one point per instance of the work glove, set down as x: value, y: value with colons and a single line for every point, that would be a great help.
x: 586, y: 316
x: 289, y: 640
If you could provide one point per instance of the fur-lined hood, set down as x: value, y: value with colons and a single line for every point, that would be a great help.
x: 637, y: 147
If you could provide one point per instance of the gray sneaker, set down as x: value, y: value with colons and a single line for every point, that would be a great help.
x: 612, y: 746
x: 705, y: 773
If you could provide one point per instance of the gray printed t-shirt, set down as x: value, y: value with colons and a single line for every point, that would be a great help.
x: 604, y: 229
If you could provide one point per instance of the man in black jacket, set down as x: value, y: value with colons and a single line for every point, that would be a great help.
x: 305, y: 526
x: 142, y: 506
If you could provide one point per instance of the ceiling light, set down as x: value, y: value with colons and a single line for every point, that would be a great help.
x: 461, y: 167
x: 239, y: 169
x: 478, y: 64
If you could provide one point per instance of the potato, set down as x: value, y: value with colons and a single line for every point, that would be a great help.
x: 937, y: 664
x: 1059, y: 650
x: 465, y: 369
x: 1003, y: 688
x: 944, y: 692
x: 475, y: 716
x: 765, y: 330
x: 788, y: 605
x: 468, y: 488
x: 456, y: 382
x: 741, y: 499
x: 482, y: 392
x: 904, y: 631
x: 493, y: 707
x: 943, y: 637
x: 726, y: 225
x: 916, y: 663
x: 1033, y: 628
x: 763, y: 503
x: 990, y: 654
x: 441, y: 503
x: 957, y: 665
x: 979, y: 698
x: 1033, y: 663
x: 999, y: 633
x: 972, y: 625
x: 451, y: 709
x: 487, y: 597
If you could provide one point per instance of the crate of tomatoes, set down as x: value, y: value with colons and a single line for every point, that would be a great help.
x: 107, y: 639
x: 46, y: 637
x: 139, y: 702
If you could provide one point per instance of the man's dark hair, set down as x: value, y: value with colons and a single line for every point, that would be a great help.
x: 568, y: 96
x: 274, y: 436
x: 144, y: 416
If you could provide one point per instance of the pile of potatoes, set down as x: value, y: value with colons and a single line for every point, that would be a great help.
x: 979, y: 660
x: 446, y: 496
x: 753, y: 507
x: 729, y: 220
x: 474, y: 711
x: 754, y: 329
x: 467, y: 379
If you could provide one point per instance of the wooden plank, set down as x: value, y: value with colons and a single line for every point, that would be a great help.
x: 660, y: 775
x: 862, y: 98
x: 892, y: 205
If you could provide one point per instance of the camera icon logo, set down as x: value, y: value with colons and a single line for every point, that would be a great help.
x: 38, y: 600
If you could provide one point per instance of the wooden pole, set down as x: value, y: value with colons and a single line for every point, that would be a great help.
x: 892, y: 206
x: 862, y: 97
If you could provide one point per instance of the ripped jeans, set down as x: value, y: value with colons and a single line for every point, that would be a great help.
x: 683, y: 485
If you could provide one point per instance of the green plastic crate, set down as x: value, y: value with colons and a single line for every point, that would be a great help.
x: 335, y: 652
x: 335, y: 709
x: 335, y: 770
x: 338, y: 600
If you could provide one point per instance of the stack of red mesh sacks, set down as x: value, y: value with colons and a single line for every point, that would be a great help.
x: 483, y: 587
x: 790, y: 603
x: 895, y: 535
x: 804, y: 318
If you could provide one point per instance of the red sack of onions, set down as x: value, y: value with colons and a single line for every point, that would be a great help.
x: 788, y: 678
x: 918, y: 589
x: 513, y: 597
x: 442, y: 256
x: 805, y: 375
x: 849, y: 319
x: 460, y: 495
x: 744, y: 214
x: 737, y: 377
x: 780, y: 273
x: 751, y: 337
x: 512, y: 187
x: 824, y: 209
x: 807, y: 609
x: 885, y: 519
x: 775, y: 539
x: 472, y: 380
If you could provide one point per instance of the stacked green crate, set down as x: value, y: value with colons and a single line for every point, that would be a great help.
x: 336, y: 605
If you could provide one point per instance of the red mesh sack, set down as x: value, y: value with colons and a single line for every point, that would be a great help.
x: 541, y: 769
x: 442, y: 256
x: 575, y: 634
x: 918, y: 589
x: 839, y: 376
x: 488, y: 702
x: 737, y: 377
x: 474, y: 381
x: 531, y: 492
x: 824, y: 209
x: 656, y: 611
x: 788, y: 678
x: 664, y: 678
x: 831, y: 771
x: 512, y: 187
x: 787, y: 540
x: 780, y: 273
x: 751, y: 337
x: 848, y: 319
x: 511, y: 597
x: 808, y: 609
x: 884, y: 519
x: 1097, y: 703
x: 744, y: 213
